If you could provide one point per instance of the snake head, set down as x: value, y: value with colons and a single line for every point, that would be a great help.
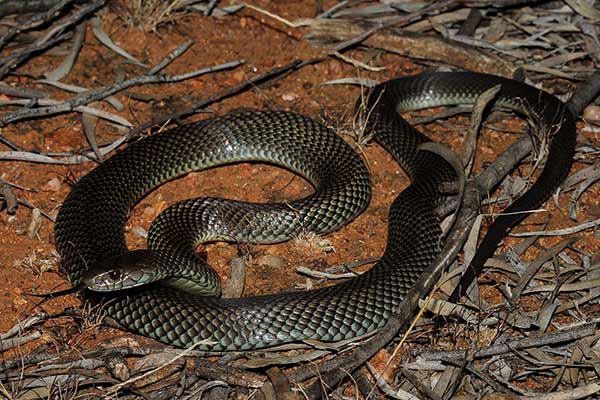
x: 129, y: 270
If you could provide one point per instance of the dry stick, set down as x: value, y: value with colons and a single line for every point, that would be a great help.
x: 234, y: 287
x: 414, y: 45
x: 534, y: 266
x: 332, y: 10
x: 326, y: 275
x: 280, y: 384
x: 233, y: 376
x: 11, y: 62
x: 110, y: 99
x: 69, y: 160
x: 496, y: 3
x: 8, y: 7
x: 469, y: 25
x: 466, y: 365
x: 437, y: 6
x: 116, y: 388
x: 21, y: 92
x: 101, y: 93
x: 26, y: 360
x: 419, y: 385
x: 560, y: 232
x: 34, y: 22
x: 553, y: 338
x: 223, y: 94
x: 330, y: 370
x: 17, y: 186
x: 56, y: 35
x: 400, y: 20
x: 579, y: 392
x: 182, y: 48
x: 585, y: 93
x: 83, y: 109
x: 19, y: 340
x: 113, y: 101
x: 365, y: 387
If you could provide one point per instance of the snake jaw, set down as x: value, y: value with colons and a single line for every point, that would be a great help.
x: 129, y: 270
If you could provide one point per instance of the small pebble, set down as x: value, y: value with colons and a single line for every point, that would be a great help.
x: 19, y: 301
x: 139, y: 231
x: 271, y: 261
x: 150, y: 211
x: 239, y: 76
x: 289, y: 96
x: 591, y: 113
x: 53, y: 185
x: 118, y: 368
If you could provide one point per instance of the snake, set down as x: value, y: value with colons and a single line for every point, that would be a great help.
x: 171, y: 295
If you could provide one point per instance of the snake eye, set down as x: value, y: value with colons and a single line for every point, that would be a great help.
x: 114, y: 275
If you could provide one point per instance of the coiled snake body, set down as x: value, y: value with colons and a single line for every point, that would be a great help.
x: 90, y: 225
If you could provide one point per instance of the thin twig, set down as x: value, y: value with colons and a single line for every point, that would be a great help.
x: 223, y: 94
x: 45, y: 159
x: 35, y: 21
x: 560, y: 232
x: 182, y: 48
x: 54, y: 36
x: 101, y: 93
x: 553, y: 338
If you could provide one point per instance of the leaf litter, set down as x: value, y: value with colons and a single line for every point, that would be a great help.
x: 530, y: 331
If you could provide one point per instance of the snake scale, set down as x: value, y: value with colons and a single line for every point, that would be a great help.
x: 90, y: 227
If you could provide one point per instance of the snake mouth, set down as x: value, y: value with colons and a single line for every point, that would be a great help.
x: 129, y: 270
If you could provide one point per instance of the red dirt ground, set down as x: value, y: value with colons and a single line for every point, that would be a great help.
x: 29, y: 265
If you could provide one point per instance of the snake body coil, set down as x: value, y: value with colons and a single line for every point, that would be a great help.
x: 90, y: 225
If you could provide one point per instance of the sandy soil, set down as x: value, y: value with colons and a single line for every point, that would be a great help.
x: 30, y: 265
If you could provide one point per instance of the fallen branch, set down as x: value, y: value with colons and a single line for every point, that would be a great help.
x: 223, y: 94
x: 55, y: 35
x: 553, y: 338
x: 413, y: 45
x: 101, y: 93
x: 8, y: 7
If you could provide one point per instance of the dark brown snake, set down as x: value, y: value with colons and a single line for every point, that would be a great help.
x: 90, y: 233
